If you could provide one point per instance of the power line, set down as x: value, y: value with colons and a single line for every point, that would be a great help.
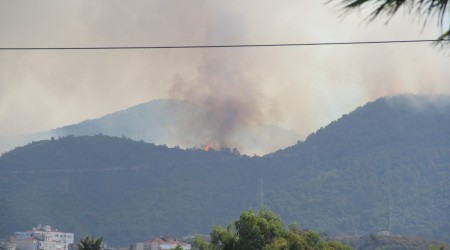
x: 223, y: 46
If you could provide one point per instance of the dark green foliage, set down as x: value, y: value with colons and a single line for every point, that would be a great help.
x: 264, y: 230
x: 427, y: 8
x: 200, y: 244
x: 90, y: 243
x: 254, y: 231
x: 385, y: 165
x: 441, y: 247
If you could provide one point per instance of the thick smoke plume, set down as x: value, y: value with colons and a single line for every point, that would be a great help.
x: 228, y: 99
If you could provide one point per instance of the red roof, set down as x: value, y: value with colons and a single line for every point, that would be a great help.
x: 31, y: 238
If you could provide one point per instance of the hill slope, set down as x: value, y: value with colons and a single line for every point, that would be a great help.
x: 385, y: 166
x: 119, y: 188
x: 168, y: 122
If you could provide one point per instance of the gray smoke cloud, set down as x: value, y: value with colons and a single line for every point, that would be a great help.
x: 298, y: 88
x: 231, y: 100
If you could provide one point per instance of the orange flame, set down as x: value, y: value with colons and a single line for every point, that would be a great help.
x: 207, y: 147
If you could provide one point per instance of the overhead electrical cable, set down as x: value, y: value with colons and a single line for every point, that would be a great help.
x: 225, y: 45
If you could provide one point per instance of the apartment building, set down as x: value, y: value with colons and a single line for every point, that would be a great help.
x: 43, y: 238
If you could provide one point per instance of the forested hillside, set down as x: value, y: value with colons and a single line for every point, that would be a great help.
x: 172, y: 123
x: 124, y: 190
x: 385, y: 166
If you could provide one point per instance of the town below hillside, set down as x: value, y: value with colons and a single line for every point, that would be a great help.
x: 48, y: 238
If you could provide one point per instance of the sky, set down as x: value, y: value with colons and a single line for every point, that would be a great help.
x: 296, y: 88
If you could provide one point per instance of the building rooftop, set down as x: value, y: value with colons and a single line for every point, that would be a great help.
x: 163, y: 240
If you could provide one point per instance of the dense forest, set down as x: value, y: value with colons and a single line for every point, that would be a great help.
x: 383, y: 167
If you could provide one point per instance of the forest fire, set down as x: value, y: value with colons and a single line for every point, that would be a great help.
x: 207, y: 147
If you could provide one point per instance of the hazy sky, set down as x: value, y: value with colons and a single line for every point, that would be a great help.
x: 298, y: 88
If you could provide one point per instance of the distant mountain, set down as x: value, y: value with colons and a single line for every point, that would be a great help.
x: 398, y: 121
x: 168, y: 122
x: 383, y: 167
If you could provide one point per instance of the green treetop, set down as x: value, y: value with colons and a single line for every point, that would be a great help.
x: 426, y: 8
x: 90, y: 243
x: 264, y: 231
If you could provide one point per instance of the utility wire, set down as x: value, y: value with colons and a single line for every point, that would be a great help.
x: 221, y: 46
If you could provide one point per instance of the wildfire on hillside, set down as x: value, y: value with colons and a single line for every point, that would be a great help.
x: 207, y: 147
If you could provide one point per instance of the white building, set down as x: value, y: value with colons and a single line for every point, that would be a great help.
x: 164, y: 244
x: 43, y: 238
x: 9, y: 244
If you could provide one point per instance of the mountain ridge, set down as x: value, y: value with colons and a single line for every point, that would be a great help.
x: 169, y: 122
x: 407, y: 107
x: 128, y: 190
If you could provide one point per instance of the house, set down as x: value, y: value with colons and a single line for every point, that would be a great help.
x: 9, y: 244
x: 164, y: 243
x: 43, y: 238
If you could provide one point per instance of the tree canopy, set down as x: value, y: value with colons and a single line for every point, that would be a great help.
x: 90, y: 243
x: 264, y: 230
x: 427, y: 8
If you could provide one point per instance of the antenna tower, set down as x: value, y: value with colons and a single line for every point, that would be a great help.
x: 261, y: 193
x: 387, y: 202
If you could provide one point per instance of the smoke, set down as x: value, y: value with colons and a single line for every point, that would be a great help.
x: 230, y: 100
x: 422, y: 103
x: 297, y: 88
